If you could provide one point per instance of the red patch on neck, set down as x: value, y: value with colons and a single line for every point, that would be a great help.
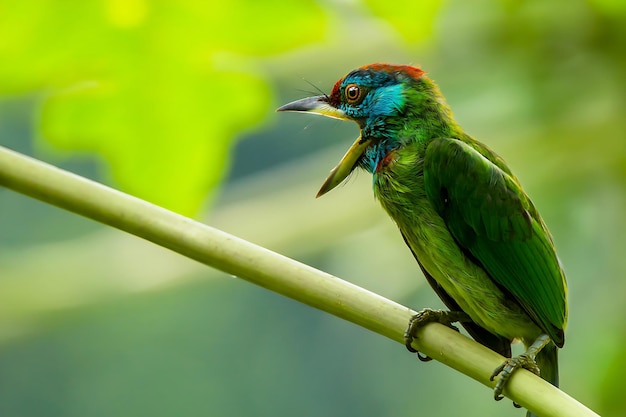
x: 388, y: 159
x: 413, y: 72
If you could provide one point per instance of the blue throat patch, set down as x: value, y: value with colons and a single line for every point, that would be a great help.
x: 381, y: 104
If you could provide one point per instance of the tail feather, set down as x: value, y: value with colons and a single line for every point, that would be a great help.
x: 547, y: 360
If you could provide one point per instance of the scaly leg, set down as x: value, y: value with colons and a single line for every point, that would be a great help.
x: 526, y: 360
x: 431, y: 316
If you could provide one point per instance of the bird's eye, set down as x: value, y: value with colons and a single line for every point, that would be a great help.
x: 354, y: 94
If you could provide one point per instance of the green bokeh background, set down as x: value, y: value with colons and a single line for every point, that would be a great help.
x: 173, y: 101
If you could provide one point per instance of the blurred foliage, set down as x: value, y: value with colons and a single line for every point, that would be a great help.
x: 414, y: 20
x: 131, y: 79
x: 152, y: 96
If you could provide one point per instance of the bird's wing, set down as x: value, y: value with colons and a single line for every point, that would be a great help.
x: 495, y: 223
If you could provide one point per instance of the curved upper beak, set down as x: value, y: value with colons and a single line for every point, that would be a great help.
x: 315, y: 105
x: 320, y: 105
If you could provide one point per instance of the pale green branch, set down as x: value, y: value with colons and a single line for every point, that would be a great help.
x: 274, y: 272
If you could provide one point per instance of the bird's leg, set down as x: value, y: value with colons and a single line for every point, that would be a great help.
x: 431, y: 316
x: 526, y: 360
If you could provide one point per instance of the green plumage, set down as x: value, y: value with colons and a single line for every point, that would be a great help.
x: 490, y: 216
x: 476, y: 235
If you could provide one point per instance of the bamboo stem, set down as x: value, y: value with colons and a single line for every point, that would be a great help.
x: 274, y: 272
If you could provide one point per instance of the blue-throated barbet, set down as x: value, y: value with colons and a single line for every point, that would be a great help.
x: 475, y: 234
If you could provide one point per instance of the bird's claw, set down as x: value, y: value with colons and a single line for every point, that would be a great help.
x: 506, y: 370
x: 430, y: 316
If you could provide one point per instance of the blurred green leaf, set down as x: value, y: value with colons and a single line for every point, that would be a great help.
x: 414, y: 19
x: 148, y: 85
x: 617, y: 7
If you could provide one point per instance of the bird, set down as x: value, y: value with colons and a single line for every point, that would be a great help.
x: 475, y: 234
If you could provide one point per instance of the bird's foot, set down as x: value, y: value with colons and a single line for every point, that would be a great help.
x: 525, y: 360
x: 431, y: 316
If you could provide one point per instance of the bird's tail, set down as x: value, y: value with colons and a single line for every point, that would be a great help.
x: 547, y: 360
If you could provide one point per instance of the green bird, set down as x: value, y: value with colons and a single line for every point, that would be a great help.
x: 474, y: 232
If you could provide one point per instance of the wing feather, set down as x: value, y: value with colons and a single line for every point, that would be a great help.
x: 491, y: 217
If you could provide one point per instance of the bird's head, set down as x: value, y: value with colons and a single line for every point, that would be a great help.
x: 375, y: 97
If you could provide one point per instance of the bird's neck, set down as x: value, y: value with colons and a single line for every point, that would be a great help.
x: 425, y: 116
